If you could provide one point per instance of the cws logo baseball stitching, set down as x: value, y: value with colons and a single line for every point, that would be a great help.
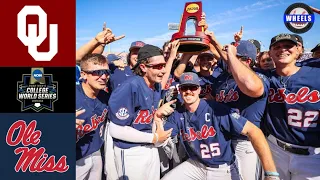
x: 32, y: 40
x: 37, y: 91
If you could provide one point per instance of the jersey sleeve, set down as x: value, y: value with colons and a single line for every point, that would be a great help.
x: 266, y: 84
x: 231, y: 122
x: 171, y: 123
x: 121, y: 105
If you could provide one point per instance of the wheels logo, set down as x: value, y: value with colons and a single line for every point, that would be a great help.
x: 298, y: 18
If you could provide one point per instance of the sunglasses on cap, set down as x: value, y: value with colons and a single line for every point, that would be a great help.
x: 188, y: 87
x: 99, y: 72
x: 156, y: 66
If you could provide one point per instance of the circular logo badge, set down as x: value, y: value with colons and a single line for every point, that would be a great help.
x: 298, y: 18
x: 37, y: 74
x: 192, y: 8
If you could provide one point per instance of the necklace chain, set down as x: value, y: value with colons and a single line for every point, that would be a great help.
x: 284, y: 83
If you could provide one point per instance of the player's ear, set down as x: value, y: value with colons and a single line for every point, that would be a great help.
x: 83, y: 75
x: 143, y: 67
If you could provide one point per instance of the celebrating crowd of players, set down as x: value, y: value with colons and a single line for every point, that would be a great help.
x: 231, y: 112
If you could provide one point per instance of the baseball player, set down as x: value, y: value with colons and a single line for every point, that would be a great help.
x: 205, y: 129
x: 292, y: 121
x: 236, y: 94
x: 118, y: 75
x: 314, y: 61
x: 132, y: 105
x: 247, y: 92
x: 91, y: 98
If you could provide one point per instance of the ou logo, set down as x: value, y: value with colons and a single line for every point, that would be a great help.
x: 32, y: 40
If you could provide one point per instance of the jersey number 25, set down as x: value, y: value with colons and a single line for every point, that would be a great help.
x: 209, y: 151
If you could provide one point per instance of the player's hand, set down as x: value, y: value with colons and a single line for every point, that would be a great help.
x: 106, y: 36
x: 212, y: 36
x: 237, y: 36
x: 174, y: 46
x: 162, y: 134
x: 165, y: 109
x: 79, y: 121
x: 231, y: 49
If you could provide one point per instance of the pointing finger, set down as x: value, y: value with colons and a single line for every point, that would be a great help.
x: 119, y: 37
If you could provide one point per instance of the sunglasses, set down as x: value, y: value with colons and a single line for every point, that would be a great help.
x: 191, y: 88
x: 99, y: 72
x: 156, y: 66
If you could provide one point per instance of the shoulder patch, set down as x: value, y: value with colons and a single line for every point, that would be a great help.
x: 122, y: 113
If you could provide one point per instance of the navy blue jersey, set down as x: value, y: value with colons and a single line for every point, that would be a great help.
x: 293, y: 107
x: 118, y: 76
x: 133, y: 104
x: 312, y: 62
x: 227, y: 91
x: 89, y: 135
x: 206, y: 133
x: 206, y: 83
x: 217, y: 71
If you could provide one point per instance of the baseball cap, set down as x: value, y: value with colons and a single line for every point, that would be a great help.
x: 147, y: 51
x: 113, y: 57
x: 315, y: 48
x: 189, y: 78
x: 298, y: 38
x: 247, y: 49
x: 208, y: 52
x: 136, y: 44
x: 256, y: 43
x: 283, y: 37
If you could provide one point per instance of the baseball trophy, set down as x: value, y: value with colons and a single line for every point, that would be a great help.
x: 195, y: 41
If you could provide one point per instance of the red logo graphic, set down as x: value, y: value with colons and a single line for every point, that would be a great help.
x: 144, y: 117
x: 188, y: 78
x: 229, y: 97
x: 34, y: 159
x: 168, y: 84
x: 302, y: 96
x: 204, y: 133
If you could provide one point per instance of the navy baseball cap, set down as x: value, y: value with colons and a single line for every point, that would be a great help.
x: 298, y: 38
x: 208, y: 52
x: 113, y: 57
x: 256, y: 43
x: 247, y: 49
x: 315, y: 48
x: 147, y: 51
x: 283, y: 37
x: 189, y: 78
x: 136, y: 44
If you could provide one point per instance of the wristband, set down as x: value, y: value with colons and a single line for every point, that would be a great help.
x: 157, y: 137
x: 268, y: 173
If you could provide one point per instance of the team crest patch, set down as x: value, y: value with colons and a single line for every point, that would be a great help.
x: 235, y: 115
x: 122, y: 113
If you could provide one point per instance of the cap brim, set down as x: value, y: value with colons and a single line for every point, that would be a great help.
x: 314, y: 49
x: 295, y: 42
x: 134, y: 47
x: 205, y: 54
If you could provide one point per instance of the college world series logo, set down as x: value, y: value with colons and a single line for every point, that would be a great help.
x: 37, y: 91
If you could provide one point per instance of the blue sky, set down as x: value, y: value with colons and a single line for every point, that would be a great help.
x: 147, y: 20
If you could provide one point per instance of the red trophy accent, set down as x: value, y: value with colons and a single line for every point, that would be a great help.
x: 195, y: 41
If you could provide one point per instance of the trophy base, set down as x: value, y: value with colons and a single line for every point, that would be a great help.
x: 192, y: 44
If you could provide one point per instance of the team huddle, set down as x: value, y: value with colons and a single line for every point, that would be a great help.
x: 220, y: 114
